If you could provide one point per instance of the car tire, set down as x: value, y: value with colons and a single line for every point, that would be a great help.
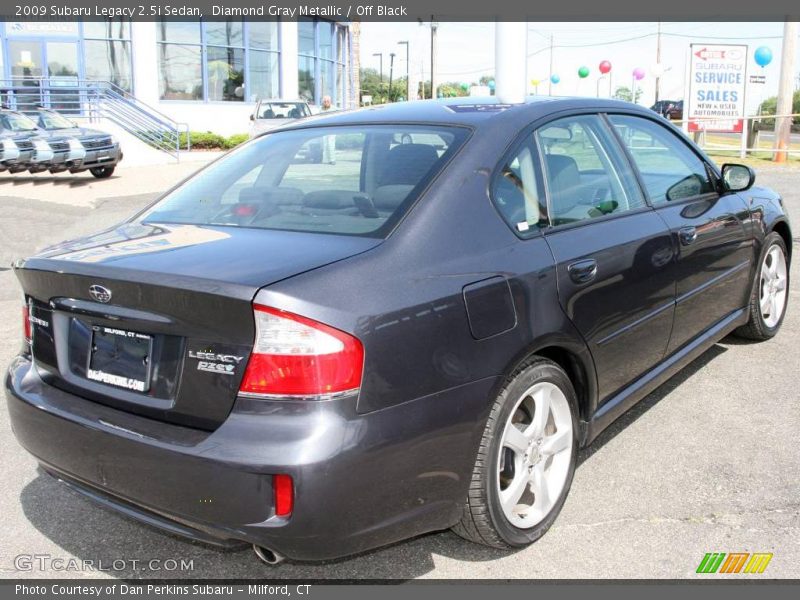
x: 102, y: 172
x: 770, y: 291
x: 491, y: 516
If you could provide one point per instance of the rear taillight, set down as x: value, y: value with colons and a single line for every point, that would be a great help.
x: 26, y: 323
x: 284, y: 495
x: 297, y: 356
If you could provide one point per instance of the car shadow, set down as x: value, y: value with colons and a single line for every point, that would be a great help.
x: 90, y: 532
x: 76, y: 180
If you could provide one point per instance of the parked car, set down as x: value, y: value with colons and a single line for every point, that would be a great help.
x: 270, y: 114
x: 669, y: 109
x: 39, y: 150
x: 9, y: 152
x: 321, y: 359
x: 102, y: 151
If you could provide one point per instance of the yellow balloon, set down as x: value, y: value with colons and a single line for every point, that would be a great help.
x: 535, y: 82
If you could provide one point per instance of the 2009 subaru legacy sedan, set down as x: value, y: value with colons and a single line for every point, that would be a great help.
x: 320, y: 358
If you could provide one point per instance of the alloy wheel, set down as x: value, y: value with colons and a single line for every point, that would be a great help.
x: 535, y: 455
x: 772, y: 298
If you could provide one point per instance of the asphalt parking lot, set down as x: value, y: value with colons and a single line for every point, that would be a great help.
x: 707, y: 463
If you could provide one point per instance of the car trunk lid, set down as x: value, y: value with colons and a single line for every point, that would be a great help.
x: 157, y: 319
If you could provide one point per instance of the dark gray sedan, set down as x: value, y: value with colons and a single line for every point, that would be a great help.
x: 323, y: 358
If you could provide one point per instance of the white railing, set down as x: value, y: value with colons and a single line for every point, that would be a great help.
x: 745, y: 139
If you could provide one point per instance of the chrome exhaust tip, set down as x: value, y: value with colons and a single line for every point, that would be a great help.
x: 268, y: 556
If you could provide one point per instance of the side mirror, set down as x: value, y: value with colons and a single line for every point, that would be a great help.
x: 252, y: 117
x: 737, y: 178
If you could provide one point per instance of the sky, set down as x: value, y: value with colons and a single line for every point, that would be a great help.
x: 466, y: 51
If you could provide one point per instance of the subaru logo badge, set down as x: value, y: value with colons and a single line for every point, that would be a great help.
x: 100, y: 293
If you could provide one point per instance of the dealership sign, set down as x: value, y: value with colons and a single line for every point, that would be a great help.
x: 717, y: 80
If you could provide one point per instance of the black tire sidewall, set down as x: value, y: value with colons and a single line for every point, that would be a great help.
x: 540, y: 372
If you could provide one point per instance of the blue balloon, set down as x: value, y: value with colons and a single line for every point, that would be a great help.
x: 555, y: 78
x: 763, y: 56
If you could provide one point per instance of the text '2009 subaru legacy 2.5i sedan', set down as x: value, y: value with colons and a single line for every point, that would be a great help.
x: 320, y: 359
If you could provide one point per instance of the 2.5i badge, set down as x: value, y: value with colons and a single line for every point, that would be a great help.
x: 212, y: 362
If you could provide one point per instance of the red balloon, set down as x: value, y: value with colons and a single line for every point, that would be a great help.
x: 605, y: 67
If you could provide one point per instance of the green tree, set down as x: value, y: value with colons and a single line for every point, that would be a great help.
x: 372, y: 85
x: 770, y: 105
x: 624, y: 93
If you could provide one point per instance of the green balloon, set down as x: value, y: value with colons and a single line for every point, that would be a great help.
x: 583, y: 72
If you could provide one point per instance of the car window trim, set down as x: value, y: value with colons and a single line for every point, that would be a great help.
x: 514, y: 149
x: 561, y: 226
x: 711, y: 171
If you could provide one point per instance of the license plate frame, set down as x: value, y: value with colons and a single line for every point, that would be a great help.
x: 120, y: 358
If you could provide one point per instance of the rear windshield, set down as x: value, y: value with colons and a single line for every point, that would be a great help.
x: 341, y: 180
x: 283, y: 110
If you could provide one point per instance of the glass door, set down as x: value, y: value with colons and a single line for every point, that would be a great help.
x: 62, y: 73
x: 25, y: 59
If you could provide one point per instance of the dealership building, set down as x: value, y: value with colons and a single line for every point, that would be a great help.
x: 207, y: 74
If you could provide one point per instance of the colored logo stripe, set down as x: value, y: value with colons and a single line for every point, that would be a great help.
x: 735, y: 562
x: 711, y: 562
x: 758, y: 563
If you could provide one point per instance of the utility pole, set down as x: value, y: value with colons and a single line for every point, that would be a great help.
x: 408, y: 70
x: 658, y: 59
x: 391, y: 71
x: 380, y: 56
x: 783, y: 126
x: 550, y: 77
x: 434, y: 79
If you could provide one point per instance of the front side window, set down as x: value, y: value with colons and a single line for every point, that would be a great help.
x: 585, y: 174
x: 342, y: 180
x: 669, y: 169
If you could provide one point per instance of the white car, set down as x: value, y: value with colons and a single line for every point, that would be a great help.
x: 270, y: 114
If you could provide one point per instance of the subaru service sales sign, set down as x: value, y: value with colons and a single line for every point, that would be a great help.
x: 716, y: 87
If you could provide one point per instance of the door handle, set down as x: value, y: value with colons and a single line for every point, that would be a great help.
x: 687, y: 235
x: 583, y: 271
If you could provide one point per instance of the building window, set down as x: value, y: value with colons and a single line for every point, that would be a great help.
x: 218, y: 61
x: 321, y: 61
x: 107, y: 51
x: 180, y: 72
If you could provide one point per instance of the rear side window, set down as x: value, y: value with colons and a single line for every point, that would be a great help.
x: 669, y: 169
x: 354, y: 180
x: 585, y: 174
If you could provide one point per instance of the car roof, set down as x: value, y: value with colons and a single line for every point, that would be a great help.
x: 474, y: 112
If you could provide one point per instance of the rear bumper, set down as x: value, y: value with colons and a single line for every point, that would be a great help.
x: 361, y: 481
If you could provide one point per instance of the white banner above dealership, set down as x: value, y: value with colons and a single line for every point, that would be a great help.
x: 717, y: 82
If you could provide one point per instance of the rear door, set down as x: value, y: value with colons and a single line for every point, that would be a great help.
x: 612, y: 250
x: 714, y: 253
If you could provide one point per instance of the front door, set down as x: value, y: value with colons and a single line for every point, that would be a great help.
x: 26, y: 61
x: 714, y: 254
x: 611, y: 249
